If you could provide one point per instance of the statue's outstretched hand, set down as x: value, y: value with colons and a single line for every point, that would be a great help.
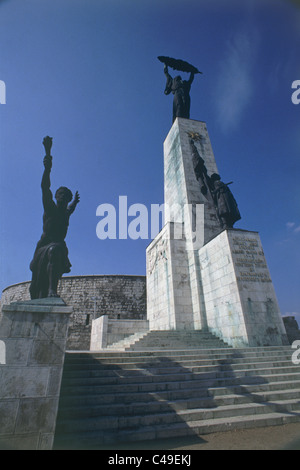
x: 74, y: 203
x: 76, y: 198
x: 47, y: 143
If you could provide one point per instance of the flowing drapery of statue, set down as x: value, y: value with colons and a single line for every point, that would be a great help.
x: 50, y: 260
x: 180, y: 88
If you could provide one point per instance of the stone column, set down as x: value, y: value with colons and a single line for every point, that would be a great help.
x: 34, y: 335
x: 174, y: 295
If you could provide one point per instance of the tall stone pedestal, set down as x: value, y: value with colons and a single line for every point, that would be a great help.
x: 33, y: 335
x: 200, y: 276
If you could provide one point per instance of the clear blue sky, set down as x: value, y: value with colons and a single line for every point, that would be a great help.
x: 86, y: 73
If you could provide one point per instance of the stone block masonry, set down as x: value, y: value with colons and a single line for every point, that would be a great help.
x: 35, y: 336
x: 239, y: 298
x: 169, y: 305
x: 118, y: 296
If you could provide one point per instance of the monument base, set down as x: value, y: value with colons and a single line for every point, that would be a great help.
x: 240, y: 301
x: 224, y: 287
x: 33, y: 335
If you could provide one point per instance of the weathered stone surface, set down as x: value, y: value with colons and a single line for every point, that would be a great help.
x: 8, y: 413
x: 240, y: 301
x: 44, y: 353
x: 180, y: 184
x: 17, y: 352
x: 23, y: 381
x: 37, y: 415
x: 168, y: 283
x: 29, y: 441
x: 35, y: 336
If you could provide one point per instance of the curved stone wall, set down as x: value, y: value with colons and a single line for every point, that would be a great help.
x: 118, y: 296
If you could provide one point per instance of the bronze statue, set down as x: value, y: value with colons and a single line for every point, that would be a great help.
x: 50, y: 260
x: 227, y: 208
x: 180, y: 88
x: 200, y: 170
x: 215, y: 191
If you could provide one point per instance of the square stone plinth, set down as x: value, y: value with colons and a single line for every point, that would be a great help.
x: 33, y: 335
x: 239, y: 297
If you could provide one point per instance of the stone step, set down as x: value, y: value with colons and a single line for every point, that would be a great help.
x: 88, y: 359
x: 174, y: 368
x: 163, y: 365
x: 145, y: 343
x: 209, y: 379
x: 179, y: 333
x: 117, y: 423
x: 149, y: 337
x: 118, y: 396
x: 207, y: 346
x: 176, y: 374
x: 96, y: 439
x: 74, y: 355
x: 161, y: 406
x: 76, y: 401
x: 126, y: 342
x: 168, y: 339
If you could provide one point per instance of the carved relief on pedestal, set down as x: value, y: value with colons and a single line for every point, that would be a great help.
x: 157, y: 254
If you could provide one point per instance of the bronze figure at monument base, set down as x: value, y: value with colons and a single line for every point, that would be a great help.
x: 50, y: 260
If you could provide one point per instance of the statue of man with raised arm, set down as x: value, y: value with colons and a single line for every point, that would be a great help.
x: 181, y: 91
x: 50, y: 260
x: 180, y: 88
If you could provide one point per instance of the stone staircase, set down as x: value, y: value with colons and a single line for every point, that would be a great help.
x: 157, y: 340
x: 126, y: 343
x: 109, y: 398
